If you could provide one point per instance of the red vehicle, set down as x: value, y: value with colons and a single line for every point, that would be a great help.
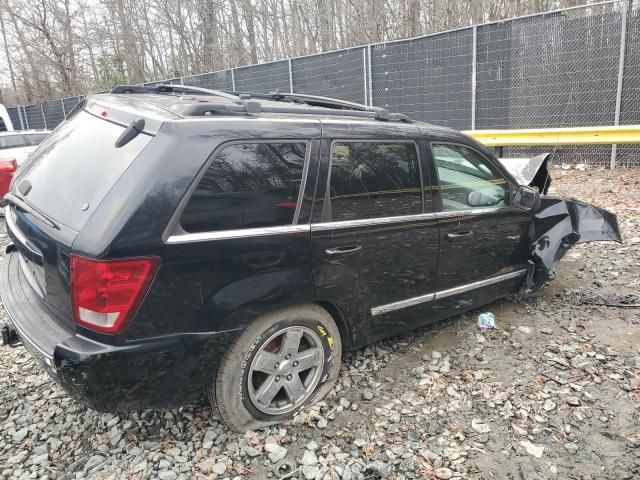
x: 15, y: 147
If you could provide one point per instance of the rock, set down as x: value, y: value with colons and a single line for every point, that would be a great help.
x: 20, y: 435
x: 573, y: 401
x: 310, y: 473
x: 219, y: 468
x: 167, y: 475
x: 480, y: 427
x: 322, y: 423
x: 17, y: 459
x: 206, y: 466
x: 93, y: 462
x: 251, y: 451
x: 54, y: 444
x: 276, y: 452
x: 524, y: 329
x: 518, y: 430
x: 383, y: 470
x: 312, y: 445
x: 571, y: 447
x: 532, y: 449
x: 40, y: 459
x: 547, y: 331
x: 309, y: 458
x: 444, y: 473
x: 367, y: 395
x: 549, y: 406
x: 527, y: 472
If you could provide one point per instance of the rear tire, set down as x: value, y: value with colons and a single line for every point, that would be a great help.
x: 280, y: 363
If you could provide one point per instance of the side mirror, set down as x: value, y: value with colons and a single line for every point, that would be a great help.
x: 526, y: 198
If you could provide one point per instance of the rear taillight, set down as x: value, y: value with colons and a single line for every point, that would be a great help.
x: 106, y: 293
x: 8, y: 165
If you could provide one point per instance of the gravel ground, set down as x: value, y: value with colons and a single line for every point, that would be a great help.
x: 552, y: 392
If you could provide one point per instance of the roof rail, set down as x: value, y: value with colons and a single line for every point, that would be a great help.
x: 333, y: 105
x: 249, y: 103
x: 321, y: 101
x: 248, y: 107
x: 170, y: 88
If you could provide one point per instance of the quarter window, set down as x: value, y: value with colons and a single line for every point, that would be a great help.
x: 246, y: 186
x: 374, y: 179
x: 467, y: 179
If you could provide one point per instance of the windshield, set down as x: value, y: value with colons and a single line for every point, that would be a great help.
x: 74, y: 168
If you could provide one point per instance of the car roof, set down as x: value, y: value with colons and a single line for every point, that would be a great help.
x: 175, y: 102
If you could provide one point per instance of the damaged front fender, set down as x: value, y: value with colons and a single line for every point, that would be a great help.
x: 558, y: 225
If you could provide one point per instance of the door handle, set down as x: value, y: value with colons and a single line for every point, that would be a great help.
x: 343, y: 250
x: 459, y: 235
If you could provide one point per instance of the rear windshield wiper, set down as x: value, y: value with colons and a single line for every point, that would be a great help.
x: 17, y: 202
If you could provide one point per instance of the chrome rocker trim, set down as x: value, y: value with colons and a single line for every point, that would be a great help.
x: 410, y: 302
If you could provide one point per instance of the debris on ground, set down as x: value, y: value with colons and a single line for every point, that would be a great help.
x: 486, y: 321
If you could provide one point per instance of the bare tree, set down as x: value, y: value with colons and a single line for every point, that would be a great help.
x: 53, y: 48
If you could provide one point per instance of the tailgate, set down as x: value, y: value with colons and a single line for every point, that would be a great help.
x: 41, y: 260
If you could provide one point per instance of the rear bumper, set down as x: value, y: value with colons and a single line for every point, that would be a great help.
x: 157, y: 373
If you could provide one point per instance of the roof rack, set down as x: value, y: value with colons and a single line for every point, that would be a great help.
x: 170, y: 88
x: 245, y: 103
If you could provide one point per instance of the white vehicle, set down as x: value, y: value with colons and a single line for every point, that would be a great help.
x: 18, y: 145
x: 5, y: 121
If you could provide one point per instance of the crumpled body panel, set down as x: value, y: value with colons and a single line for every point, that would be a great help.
x: 558, y: 225
x: 532, y: 171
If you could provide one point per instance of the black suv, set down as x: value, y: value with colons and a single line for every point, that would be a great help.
x: 172, y: 240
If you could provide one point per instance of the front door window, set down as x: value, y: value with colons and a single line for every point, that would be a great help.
x: 467, y: 179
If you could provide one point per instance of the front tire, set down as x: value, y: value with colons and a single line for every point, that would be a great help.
x: 280, y: 363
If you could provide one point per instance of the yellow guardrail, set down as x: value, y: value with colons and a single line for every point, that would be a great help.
x: 558, y: 136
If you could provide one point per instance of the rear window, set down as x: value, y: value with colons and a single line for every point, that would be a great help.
x: 74, y: 168
x: 247, y: 185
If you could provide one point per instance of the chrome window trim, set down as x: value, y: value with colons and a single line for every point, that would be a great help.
x: 410, y: 302
x: 319, y: 227
x: 472, y: 211
x: 364, y: 222
x: 238, y: 233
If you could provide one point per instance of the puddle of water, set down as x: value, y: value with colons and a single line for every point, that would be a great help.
x: 442, y: 341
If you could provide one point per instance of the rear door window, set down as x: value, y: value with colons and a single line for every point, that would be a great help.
x: 247, y: 185
x: 468, y: 179
x: 374, y: 180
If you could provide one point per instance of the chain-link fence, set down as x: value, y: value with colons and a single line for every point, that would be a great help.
x: 573, y: 67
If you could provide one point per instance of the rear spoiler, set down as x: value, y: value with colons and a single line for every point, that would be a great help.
x: 533, y: 172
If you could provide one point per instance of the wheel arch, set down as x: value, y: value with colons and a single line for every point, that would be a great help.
x: 341, y: 322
